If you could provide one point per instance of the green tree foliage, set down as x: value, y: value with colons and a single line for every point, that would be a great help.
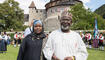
x: 11, y: 15
x: 83, y: 19
x: 101, y: 11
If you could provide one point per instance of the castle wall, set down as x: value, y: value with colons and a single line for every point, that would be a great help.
x: 38, y: 14
x: 56, y: 10
x: 52, y: 22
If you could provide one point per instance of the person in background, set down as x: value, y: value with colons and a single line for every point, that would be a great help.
x: 15, y: 39
x: 32, y: 44
x: 82, y: 36
x: 1, y: 44
x: 19, y: 39
x: 86, y: 39
x: 28, y: 30
x: 65, y: 44
x: 4, y: 37
x: 22, y: 36
x: 89, y: 39
x: 101, y: 39
x: 9, y: 39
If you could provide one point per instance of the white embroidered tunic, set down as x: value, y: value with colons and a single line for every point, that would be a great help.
x: 65, y: 45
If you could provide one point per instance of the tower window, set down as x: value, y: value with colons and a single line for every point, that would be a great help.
x: 36, y: 11
x: 40, y: 10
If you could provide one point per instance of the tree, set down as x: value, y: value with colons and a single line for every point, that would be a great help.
x: 11, y: 14
x: 83, y: 19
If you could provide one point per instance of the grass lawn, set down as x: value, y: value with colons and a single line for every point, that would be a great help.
x: 12, y: 54
x: 96, y: 54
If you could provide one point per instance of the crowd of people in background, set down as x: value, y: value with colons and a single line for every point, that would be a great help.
x: 88, y: 39
x: 18, y: 39
x: 5, y: 40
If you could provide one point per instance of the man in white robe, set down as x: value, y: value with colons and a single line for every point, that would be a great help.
x: 65, y: 44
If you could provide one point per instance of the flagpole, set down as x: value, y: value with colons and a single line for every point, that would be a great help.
x: 95, y: 41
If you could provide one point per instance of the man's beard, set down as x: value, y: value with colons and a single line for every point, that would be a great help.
x: 65, y: 28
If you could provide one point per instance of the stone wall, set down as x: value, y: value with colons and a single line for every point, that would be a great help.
x: 38, y: 14
x: 56, y: 10
x: 51, y: 22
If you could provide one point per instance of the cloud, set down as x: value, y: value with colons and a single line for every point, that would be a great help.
x: 86, y: 6
x: 85, y: 1
x: 40, y: 4
x: 24, y: 4
x: 1, y: 1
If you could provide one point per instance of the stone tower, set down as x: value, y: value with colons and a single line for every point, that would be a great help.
x: 34, y: 13
x: 54, y: 9
x: 32, y: 8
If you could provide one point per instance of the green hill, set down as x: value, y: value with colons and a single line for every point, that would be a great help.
x: 101, y: 11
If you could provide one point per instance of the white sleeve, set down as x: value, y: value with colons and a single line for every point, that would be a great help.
x: 5, y: 38
x: 90, y: 36
x: 9, y: 37
x: 0, y: 37
x: 82, y: 51
x: 15, y: 36
x: 102, y: 38
x: 26, y: 32
x: 48, y: 51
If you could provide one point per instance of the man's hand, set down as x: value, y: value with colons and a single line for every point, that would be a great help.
x: 68, y: 58
x: 55, y: 58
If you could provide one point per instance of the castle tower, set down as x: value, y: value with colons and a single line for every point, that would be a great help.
x: 32, y: 10
x: 54, y: 9
x: 34, y: 13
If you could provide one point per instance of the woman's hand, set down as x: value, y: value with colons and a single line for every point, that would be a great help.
x: 68, y: 58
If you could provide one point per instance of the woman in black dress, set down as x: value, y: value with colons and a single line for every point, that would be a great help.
x: 31, y: 46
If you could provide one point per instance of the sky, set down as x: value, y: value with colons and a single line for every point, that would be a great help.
x: 24, y: 4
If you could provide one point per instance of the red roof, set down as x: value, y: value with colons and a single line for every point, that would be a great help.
x: 32, y: 5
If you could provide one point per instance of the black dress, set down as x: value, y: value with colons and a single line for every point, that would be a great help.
x: 3, y: 46
x: 31, y: 47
